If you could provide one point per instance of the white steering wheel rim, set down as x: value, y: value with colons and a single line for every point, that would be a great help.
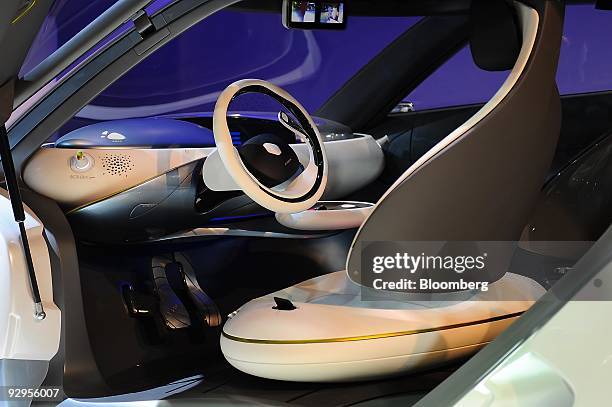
x: 302, y: 192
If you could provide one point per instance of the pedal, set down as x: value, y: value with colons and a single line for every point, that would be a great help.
x: 172, y: 309
x: 138, y: 305
x: 205, y: 306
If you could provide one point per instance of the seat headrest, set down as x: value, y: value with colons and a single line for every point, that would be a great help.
x: 495, y: 38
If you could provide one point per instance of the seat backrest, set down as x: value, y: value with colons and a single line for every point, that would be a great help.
x: 481, y: 181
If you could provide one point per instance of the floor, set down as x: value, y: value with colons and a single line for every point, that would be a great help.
x: 231, y: 387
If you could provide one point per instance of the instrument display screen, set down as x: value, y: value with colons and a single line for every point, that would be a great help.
x: 318, y: 14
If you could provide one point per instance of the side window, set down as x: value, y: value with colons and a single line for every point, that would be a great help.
x: 585, y: 65
x: 457, y: 82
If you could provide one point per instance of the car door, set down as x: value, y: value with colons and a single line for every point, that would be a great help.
x: 30, y: 338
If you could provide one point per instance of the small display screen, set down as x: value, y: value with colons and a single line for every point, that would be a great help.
x: 303, y: 11
x: 314, y: 14
x: 332, y: 13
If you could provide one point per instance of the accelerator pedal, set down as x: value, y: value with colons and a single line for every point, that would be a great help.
x: 173, y: 311
x: 206, y: 308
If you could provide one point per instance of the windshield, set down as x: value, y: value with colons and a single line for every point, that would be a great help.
x: 188, y: 74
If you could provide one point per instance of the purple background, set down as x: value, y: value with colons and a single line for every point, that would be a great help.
x: 187, y: 74
x: 585, y: 65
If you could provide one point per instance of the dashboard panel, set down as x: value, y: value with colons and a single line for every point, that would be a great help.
x: 142, y: 179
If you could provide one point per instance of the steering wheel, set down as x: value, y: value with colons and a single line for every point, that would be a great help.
x: 301, y: 191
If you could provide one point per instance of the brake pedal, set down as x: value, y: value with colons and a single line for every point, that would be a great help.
x: 138, y: 305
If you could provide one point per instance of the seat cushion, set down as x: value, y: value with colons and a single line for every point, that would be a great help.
x: 338, y: 289
x: 334, y: 334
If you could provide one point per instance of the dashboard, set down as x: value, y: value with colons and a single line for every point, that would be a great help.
x: 143, y: 179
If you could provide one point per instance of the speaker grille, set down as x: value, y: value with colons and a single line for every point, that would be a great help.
x: 117, y: 164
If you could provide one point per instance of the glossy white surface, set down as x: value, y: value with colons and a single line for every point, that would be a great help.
x: 331, y: 307
x: 353, y: 164
x: 348, y: 217
x: 529, y: 21
x: 527, y: 381
x: 51, y: 171
x: 58, y: 174
x: 21, y: 335
x: 572, y: 351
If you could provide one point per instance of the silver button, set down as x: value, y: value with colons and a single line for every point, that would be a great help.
x: 272, y: 148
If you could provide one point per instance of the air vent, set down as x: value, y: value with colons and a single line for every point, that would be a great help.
x: 117, y: 164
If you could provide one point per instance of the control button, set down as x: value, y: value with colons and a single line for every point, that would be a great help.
x: 272, y: 148
x: 81, y: 162
x: 115, y: 137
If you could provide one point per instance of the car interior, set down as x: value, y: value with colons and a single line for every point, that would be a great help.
x: 217, y: 255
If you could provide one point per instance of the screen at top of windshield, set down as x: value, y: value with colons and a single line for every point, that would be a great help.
x: 318, y: 14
